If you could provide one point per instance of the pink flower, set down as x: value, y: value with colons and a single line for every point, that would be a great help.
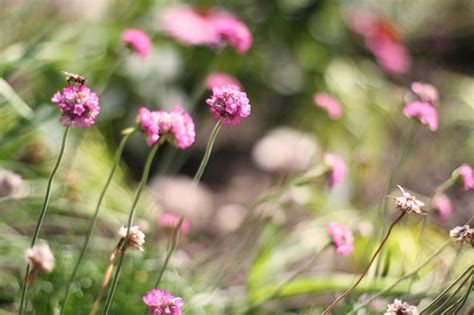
x: 329, y: 103
x: 148, y: 122
x: 424, y: 111
x: 229, y: 104
x: 79, y: 106
x: 168, y: 221
x: 161, y: 302
x: 337, y: 168
x: 467, y: 176
x: 342, y: 238
x: 231, y: 31
x: 182, y: 128
x: 216, y: 79
x: 392, y: 56
x: 442, y: 205
x: 425, y: 92
x: 138, y: 40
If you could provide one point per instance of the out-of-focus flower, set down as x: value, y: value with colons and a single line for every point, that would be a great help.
x: 231, y: 31
x: 216, y: 79
x: 169, y: 221
x: 398, y: 307
x: 424, y: 111
x: 10, y: 183
x: 136, y: 238
x: 463, y: 234
x: 285, y: 150
x: 442, y: 204
x: 337, y: 168
x: 148, y: 122
x: 329, y: 103
x: 40, y: 257
x: 138, y: 40
x: 392, y: 56
x: 408, y: 203
x: 79, y: 106
x: 229, y: 217
x: 229, y: 104
x: 467, y: 176
x: 182, y: 128
x: 161, y: 302
x: 342, y: 238
x: 425, y: 92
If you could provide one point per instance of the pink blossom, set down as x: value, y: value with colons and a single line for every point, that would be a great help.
x: 329, y: 103
x: 79, y: 106
x: 168, y: 221
x: 216, y: 79
x: 182, y: 128
x: 467, y: 176
x: 392, y: 56
x: 425, y: 92
x: 148, y: 122
x: 337, y: 168
x: 442, y: 204
x: 161, y: 302
x: 231, y: 31
x: 138, y: 40
x: 424, y: 111
x: 342, y: 238
x: 229, y: 104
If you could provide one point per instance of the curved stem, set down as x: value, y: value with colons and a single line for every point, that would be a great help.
x: 452, y: 295
x: 348, y: 291
x: 43, y: 212
x: 92, y: 225
x: 207, y: 154
x: 464, y: 299
x: 142, y: 184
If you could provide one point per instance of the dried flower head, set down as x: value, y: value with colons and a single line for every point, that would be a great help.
x: 424, y: 111
x: 229, y: 103
x: 398, y: 307
x: 79, y: 106
x: 342, y: 238
x: 10, y: 183
x: 408, y: 203
x: 136, y: 238
x: 462, y: 234
x: 216, y: 79
x: 138, y: 40
x: 442, y: 204
x: 467, y: 176
x: 161, y: 302
x: 168, y: 222
x: 329, y: 103
x: 40, y: 257
x: 337, y: 168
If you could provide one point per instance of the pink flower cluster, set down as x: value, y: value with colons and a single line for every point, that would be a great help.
x: 329, y: 103
x: 138, y: 40
x: 211, y: 27
x: 176, y: 124
x: 229, y: 104
x: 79, y: 106
x: 161, y: 302
x: 342, y: 238
x: 467, y: 176
x: 442, y: 204
x: 168, y: 222
x: 216, y: 79
x: 423, y: 107
x: 337, y: 168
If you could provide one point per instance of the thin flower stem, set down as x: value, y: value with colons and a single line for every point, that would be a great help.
x: 43, y: 213
x: 348, y: 291
x: 92, y: 225
x: 207, y: 154
x: 452, y: 295
x: 464, y: 299
x: 146, y: 172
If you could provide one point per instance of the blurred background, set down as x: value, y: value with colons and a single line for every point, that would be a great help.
x: 236, y: 253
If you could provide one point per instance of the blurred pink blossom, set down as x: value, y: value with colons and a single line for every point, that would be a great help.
x: 342, y: 238
x: 148, y: 122
x: 182, y: 128
x: 229, y: 104
x: 329, y: 103
x: 425, y: 92
x: 424, y: 111
x: 467, y: 176
x: 168, y: 221
x: 161, y: 302
x: 138, y: 40
x: 337, y: 168
x: 442, y: 204
x: 216, y: 79
x: 392, y: 56
x: 231, y: 31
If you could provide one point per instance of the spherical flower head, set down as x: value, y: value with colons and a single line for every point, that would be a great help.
x: 462, y: 234
x: 425, y: 112
x: 149, y: 125
x: 40, y: 257
x: 79, y: 106
x: 229, y: 104
x: 232, y: 31
x: 442, y: 204
x: 398, y: 307
x: 161, y: 302
x: 182, y: 128
x: 168, y: 222
x: 216, y: 79
x: 342, y: 238
x: 425, y: 92
x: 136, y: 238
x: 329, y: 103
x: 337, y: 168
x: 10, y: 183
x: 138, y: 40
x: 467, y: 176
x: 408, y: 203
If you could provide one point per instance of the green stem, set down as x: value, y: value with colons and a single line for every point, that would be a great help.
x: 43, y: 213
x: 452, y: 295
x: 464, y: 299
x: 92, y: 225
x: 207, y: 154
x: 142, y: 184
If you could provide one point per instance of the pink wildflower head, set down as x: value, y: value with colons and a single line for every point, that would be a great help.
x: 148, y: 122
x: 408, y: 202
x: 342, y: 238
x: 329, y: 103
x: 399, y: 307
x: 337, y: 168
x: 232, y: 31
x: 216, y: 79
x: 442, y: 204
x: 161, y: 302
x: 229, y: 104
x: 467, y: 176
x: 425, y: 92
x: 425, y: 112
x: 138, y: 40
x: 79, y: 106
x: 182, y: 128
x: 392, y: 56
x: 168, y: 222
x: 40, y: 258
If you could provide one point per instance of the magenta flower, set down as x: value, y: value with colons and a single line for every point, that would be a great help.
x: 425, y: 92
x: 182, y: 128
x: 424, y: 111
x: 138, y: 40
x: 467, y: 176
x: 231, y: 31
x: 216, y: 79
x: 342, y: 238
x: 79, y: 106
x: 442, y: 204
x: 148, y: 122
x: 229, y: 104
x: 329, y: 103
x: 392, y: 56
x: 161, y: 302
x: 168, y: 221
x: 337, y: 168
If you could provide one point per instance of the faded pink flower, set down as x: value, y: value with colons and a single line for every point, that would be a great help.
x: 442, y: 204
x: 399, y: 307
x: 425, y: 92
x: 216, y: 79
x: 342, y: 238
x: 392, y: 56
x: 467, y: 176
x: 40, y: 257
x: 425, y: 113
x: 229, y: 104
x: 138, y: 40
x: 408, y: 202
x: 329, y: 103
x: 79, y: 106
x: 161, y: 302
x: 148, y: 122
x: 182, y: 128
x: 168, y: 222
x: 337, y: 168
x: 231, y: 31
x: 136, y: 238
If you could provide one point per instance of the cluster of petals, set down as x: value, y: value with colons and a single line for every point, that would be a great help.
x: 161, y: 302
x: 337, y: 168
x: 10, y: 183
x: 329, y: 103
x: 79, y: 106
x: 442, y: 204
x: 423, y: 107
x: 205, y: 26
x: 216, y: 79
x: 342, y: 238
x: 408, y: 203
x: 462, y: 234
x: 467, y: 176
x: 136, y: 238
x: 138, y: 40
x: 229, y: 104
x: 40, y: 257
x: 399, y: 307
x: 169, y: 221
